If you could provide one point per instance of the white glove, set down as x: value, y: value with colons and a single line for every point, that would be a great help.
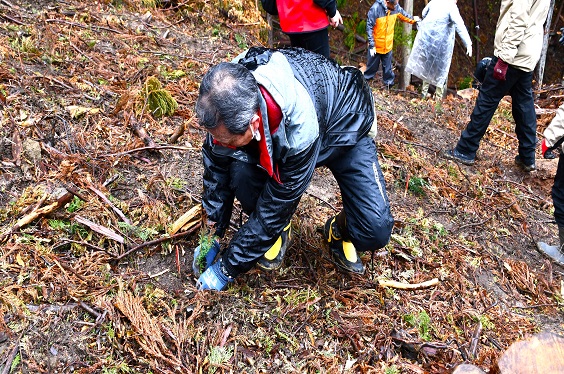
x: 372, y: 52
x: 416, y: 18
x: 336, y: 20
x: 469, y: 50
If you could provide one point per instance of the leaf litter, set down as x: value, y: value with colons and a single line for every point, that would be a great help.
x: 91, y: 183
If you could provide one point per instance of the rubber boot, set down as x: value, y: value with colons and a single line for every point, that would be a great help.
x: 554, y: 252
x: 343, y: 252
x: 274, y: 257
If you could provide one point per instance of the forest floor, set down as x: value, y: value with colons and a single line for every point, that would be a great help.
x: 91, y: 183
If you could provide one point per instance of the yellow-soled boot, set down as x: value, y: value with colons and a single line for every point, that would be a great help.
x: 274, y: 257
x: 343, y: 252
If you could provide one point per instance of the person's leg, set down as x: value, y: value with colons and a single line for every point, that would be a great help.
x: 388, y: 74
x: 317, y: 41
x: 368, y: 219
x: 490, y: 95
x: 523, y: 109
x: 556, y: 252
x: 439, y: 92
x: 558, y: 194
x: 424, y: 89
x: 247, y: 182
x: 372, y: 65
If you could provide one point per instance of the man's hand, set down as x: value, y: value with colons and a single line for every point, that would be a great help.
x: 547, y: 152
x: 213, y: 279
x: 500, y: 69
x: 203, y: 260
x: 336, y: 20
x: 469, y: 50
x: 372, y: 52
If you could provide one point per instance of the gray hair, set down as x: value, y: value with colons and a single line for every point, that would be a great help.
x: 229, y: 95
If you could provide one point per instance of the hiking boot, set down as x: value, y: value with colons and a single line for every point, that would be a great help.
x: 274, y: 257
x: 343, y: 252
x: 453, y: 154
x: 523, y: 166
x: 553, y: 251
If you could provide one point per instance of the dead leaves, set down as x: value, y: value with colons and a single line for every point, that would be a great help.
x: 147, y: 332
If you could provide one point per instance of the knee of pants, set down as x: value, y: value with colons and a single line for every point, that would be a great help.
x: 378, y: 236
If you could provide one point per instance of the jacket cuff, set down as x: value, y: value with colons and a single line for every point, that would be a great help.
x: 331, y: 10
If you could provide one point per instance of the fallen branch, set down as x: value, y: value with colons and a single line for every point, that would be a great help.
x: 140, y: 131
x: 177, y: 133
x: 100, y: 229
x: 357, y: 37
x: 38, y: 212
x: 488, y: 219
x: 65, y: 241
x: 11, y: 358
x: 408, y: 286
x: 107, y: 201
x: 322, y: 200
x: 180, y: 130
x: 176, y: 55
x: 157, y: 241
x: 83, y: 26
x: 475, y: 340
x: 158, y: 147
x: 184, y: 220
x: 68, y: 268
x: 541, y: 111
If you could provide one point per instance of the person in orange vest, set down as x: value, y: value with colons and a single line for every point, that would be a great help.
x: 380, y: 30
x: 306, y: 23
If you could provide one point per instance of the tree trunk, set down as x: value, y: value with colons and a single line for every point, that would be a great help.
x: 540, y: 65
x: 270, y: 31
x: 405, y: 78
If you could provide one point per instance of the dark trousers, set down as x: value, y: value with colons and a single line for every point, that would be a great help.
x: 558, y: 193
x: 518, y: 84
x: 363, y: 191
x: 316, y: 41
x: 373, y: 64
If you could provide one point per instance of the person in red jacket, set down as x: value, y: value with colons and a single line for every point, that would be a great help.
x: 306, y: 22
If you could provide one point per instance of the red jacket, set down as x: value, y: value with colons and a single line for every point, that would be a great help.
x: 299, y: 16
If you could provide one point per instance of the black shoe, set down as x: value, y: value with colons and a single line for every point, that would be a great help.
x: 343, y: 253
x: 274, y: 257
x: 522, y: 165
x: 453, y: 154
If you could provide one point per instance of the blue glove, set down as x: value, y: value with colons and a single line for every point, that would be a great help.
x: 197, y: 266
x: 213, y: 278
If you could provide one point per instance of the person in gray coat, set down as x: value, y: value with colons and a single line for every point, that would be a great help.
x: 553, y: 142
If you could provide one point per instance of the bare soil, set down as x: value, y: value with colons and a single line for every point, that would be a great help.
x: 71, y: 76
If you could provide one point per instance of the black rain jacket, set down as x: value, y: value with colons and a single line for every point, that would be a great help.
x: 324, y: 107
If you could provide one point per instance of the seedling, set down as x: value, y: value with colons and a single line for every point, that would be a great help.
x: 159, y: 101
x: 206, y: 243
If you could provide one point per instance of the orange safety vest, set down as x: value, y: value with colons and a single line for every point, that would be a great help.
x: 383, y: 31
